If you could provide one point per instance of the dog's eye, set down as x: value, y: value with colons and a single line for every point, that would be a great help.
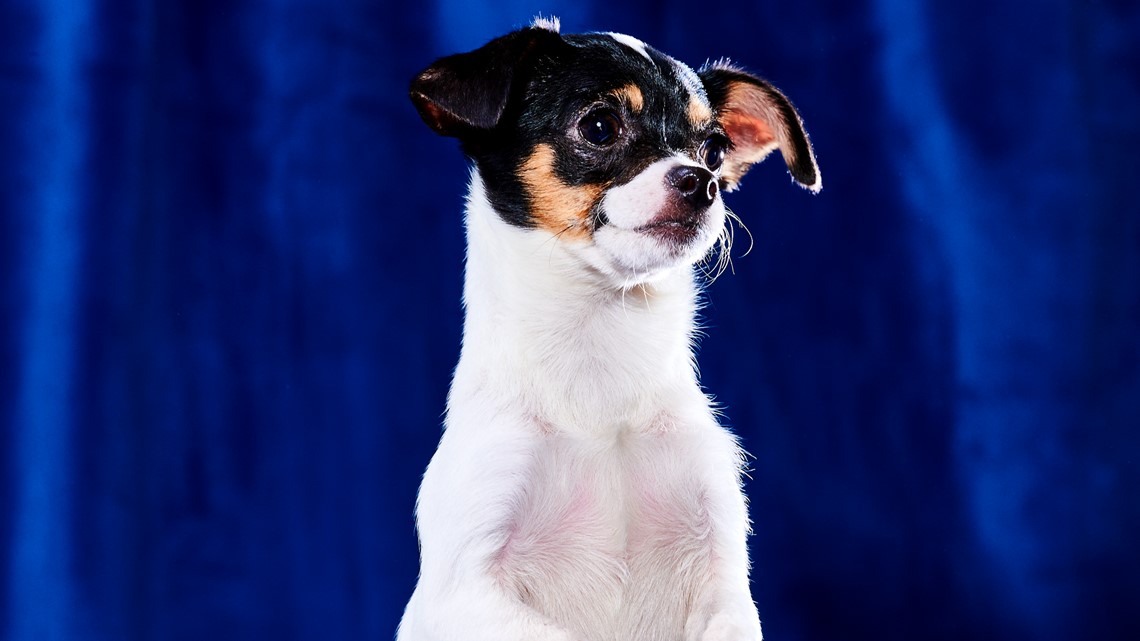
x: 713, y: 150
x: 601, y: 127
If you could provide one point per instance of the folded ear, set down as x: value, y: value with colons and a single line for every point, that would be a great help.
x: 470, y: 91
x: 757, y: 119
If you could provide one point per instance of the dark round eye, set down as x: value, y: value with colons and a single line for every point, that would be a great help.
x: 601, y: 127
x: 712, y: 151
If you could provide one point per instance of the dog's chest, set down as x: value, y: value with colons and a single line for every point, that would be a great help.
x: 610, y: 536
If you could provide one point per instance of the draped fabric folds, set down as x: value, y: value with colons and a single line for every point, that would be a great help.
x: 230, y: 268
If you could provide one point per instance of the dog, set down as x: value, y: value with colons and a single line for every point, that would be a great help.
x: 583, y: 489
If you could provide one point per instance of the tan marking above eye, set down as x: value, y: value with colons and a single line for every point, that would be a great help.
x: 632, y: 96
x: 699, y: 111
x: 560, y: 209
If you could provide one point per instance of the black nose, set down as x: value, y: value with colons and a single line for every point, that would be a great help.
x: 696, y: 184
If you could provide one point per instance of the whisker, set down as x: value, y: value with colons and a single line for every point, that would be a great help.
x: 725, y: 241
x: 736, y: 219
x: 714, y: 268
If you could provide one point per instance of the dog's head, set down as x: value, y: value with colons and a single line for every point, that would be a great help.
x: 616, y: 149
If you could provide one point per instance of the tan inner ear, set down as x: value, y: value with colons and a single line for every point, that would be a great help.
x: 561, y: 209
x: 752, y: 141
x: 749, y: 136
x: 748, y: 120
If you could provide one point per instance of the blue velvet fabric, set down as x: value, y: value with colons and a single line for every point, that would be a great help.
x: 230, y: 267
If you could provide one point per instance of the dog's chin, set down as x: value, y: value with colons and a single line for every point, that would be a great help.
x: 631, y: 256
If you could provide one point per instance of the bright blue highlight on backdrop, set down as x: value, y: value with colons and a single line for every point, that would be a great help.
x: 230, y: 267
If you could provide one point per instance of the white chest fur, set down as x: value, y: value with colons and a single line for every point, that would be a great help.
x: 613, y: 540
x: 582, y: 490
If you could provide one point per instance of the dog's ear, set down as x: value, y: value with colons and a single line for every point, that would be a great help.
x: 758, y: 119
x: 470, y: 91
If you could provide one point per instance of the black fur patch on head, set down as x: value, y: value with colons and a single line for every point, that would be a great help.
x: 529, y: 144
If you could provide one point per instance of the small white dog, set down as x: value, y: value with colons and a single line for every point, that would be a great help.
x: 583, y: 489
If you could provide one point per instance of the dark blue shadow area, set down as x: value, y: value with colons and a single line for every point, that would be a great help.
x: 230, y: 269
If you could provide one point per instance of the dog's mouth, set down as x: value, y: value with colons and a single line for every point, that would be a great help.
x: 675, y: 228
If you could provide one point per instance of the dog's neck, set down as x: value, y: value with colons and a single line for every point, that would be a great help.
x: 546, y: 334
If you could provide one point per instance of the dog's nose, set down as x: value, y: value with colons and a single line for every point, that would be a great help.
x: 696, y: 184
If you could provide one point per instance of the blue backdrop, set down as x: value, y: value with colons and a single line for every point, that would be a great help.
x: 230, y: 266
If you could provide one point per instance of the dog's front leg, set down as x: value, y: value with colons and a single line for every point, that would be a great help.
x: 723, y: 609
x: 732, y: 618
x: 476, y: 610
x: 463, y: 513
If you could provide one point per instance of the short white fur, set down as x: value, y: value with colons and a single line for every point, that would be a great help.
x: 583, y: 489
x: 632, y: 43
